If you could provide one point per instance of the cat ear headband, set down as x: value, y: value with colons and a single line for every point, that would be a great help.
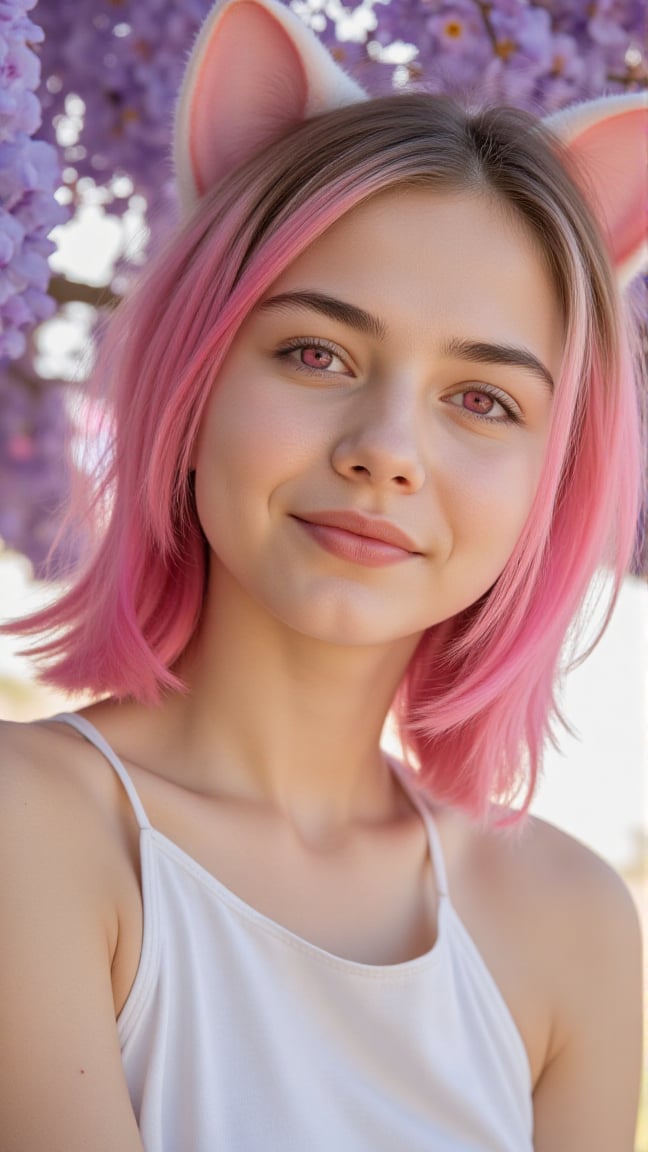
x: 256, y: 71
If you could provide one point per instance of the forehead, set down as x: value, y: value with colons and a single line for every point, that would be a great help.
x: 437, y: 263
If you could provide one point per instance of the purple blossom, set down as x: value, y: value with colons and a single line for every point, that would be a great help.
x: 31, y: 478
x: 125, y: 61
x: 538, y: 56
x: 28, y: 178
x: 19, y: 71
x: 34, y: 478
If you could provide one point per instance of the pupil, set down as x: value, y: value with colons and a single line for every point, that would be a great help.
x: 316, y: 357
x: 480, y: 400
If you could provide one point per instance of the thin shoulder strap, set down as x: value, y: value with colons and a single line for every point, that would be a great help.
x: 94, y: 737
x: 438, y: 859
x: 434, y: 840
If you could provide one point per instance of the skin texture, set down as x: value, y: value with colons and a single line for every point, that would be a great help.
x: 262, y: 771
x: 381, y: 429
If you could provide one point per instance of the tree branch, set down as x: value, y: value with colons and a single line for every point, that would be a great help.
x: 66, y: 291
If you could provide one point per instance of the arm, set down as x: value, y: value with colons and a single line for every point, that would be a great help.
x: 62, y: 1086
x: 587, y: 1095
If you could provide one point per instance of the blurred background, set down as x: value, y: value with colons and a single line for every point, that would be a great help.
x: 87, y: 91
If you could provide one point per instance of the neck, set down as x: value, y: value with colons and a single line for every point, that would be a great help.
x: 279, y: 718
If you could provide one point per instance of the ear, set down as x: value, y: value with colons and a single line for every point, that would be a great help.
x: 255, y: 71
x: 607, y: 139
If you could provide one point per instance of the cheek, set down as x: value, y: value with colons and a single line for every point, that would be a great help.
x: 492, y: 495
x: 248, y: 446
x: 256, y: 452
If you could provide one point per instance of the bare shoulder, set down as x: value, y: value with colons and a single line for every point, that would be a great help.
x: 60, y: 806
x: 587, y: 1095
x: 585, y: 901
x: 560, y: 932
x: 61, y: 875
x: 566, y: 880
x: 37, y: 777
x: 33, y: 748
x: 559, y: 862
x: 592, y: 916
x: 44, y: 760
x: 577, y: 909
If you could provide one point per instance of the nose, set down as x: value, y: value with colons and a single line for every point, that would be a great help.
x: 380, y: 444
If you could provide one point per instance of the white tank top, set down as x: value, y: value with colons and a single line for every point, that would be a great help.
x: 239, y: 1036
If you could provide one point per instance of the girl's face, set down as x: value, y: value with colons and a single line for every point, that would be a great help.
x: 372, y: 447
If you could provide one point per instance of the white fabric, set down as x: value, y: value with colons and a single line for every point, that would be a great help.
x: 238, y: 1036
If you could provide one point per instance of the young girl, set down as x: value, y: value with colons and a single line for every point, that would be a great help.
x: 375, y: 430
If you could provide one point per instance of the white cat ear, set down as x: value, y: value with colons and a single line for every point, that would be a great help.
x: 608, y: 142
x: 255, y: 71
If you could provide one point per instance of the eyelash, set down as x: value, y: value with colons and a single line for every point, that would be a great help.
x: 299, y: 344
x: 511, y: 417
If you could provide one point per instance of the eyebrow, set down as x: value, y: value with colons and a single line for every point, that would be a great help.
x: 348, y: 314
x: 507, y: 354
x: 477, y: 351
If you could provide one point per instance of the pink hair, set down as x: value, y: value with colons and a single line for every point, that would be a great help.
x: 476, y: 702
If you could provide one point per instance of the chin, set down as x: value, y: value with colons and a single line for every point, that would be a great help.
x: 334, y: 617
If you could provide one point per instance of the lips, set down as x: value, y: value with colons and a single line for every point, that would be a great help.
x: 369, y: 527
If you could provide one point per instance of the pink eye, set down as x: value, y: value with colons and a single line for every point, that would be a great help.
x: 479, y: 402
x: 316, y: 357
x: 485, y: 404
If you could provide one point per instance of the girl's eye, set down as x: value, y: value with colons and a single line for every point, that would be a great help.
x: 314, y: 356
x: 486, y: 403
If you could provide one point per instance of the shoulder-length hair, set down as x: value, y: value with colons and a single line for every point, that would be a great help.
x: 477, y: 700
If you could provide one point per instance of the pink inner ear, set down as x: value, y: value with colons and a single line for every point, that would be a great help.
x: 251, y: 88
x: 615, y: 154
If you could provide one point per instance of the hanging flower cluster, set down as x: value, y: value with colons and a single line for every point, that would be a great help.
x: 534, y: 54
x: 110, y: 81
x: 33, y: 479
x: 29, y: 175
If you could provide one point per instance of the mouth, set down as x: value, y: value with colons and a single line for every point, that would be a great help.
x: 362, y: 539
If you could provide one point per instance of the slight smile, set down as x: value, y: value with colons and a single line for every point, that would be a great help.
x: 360, y: 539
